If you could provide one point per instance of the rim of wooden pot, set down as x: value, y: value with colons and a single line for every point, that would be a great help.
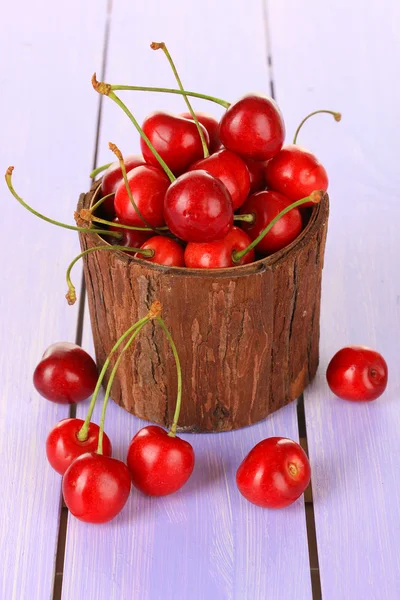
x: 316, y: 221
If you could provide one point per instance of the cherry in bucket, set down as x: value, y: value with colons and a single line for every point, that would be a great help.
x: 161, y: 463
x: 357, y: 373
x: 112, y: 178
x: 274, y: 474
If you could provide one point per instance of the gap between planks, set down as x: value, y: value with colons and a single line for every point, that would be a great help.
x: 63, y: 525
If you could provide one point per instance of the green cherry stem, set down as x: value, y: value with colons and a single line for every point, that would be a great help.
x: 172, y: 431
x: 163, y: 47
x: 336, y: 115
x: 109, y: 385
x: 100, y: 202
x: 71, y: 294
x: 123, y: 226
x: 83, y: 432
x: 105, y: 89
x: 141, y: 88
x: 99, y: 170
x: 8, y: 178
x: 250, y: 218
x: 315, y: 197
x: 118, y: 154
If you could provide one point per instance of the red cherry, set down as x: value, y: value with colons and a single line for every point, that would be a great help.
x: 63, y: 445
x: 257, y: 175
x: 296, y: 172
x: 253, y: 127
x: 130, y: 237
x: 113, y: 176
x: 274, y: 473
x: 159, y: 464
x: 198, y: 208
x: 96, y: 487
x: 148, y: 186
x: 66, y: 374
x: 176, y: 139
x: 357, y: 373
x: 231, y: 170
x: 212, y: 126
x: 218, y: 255
x: 167, y: 252
x: 265, y: 206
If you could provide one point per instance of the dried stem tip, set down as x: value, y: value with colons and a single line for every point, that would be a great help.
x: 86, y: 215
x: 316, y: 196
x: 114, y: 148
x: 79, y: 221
x: 71, y: 296
x: 9, y: 172
x: 157, y: 45
x: 337, y: 116
x: 100, y: 86
x: 155, y: 310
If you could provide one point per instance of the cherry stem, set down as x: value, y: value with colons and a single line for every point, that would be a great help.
x: 118, y: 154
x: 140, y: 88
x: 250, y: 218
x: 315, y: 197
x: 336, y: 115
x: 83, y: 432
x: 109, y: 385
x: 172, y: 431
x: 8, y: 178
x: 123, y: 226
x: 71, y: 294
x: 163, y: 47
x: 105, y: 89
x: 99, y: 170
x: 100, y: 202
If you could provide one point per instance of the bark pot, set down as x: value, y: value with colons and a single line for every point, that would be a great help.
x: 247, y: 337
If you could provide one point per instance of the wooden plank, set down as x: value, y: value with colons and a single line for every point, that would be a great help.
x: 48, y: 122
x: 354, y: 449
x: 205, y: 541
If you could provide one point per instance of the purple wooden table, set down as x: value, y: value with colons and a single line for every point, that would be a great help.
x: 205, y: 542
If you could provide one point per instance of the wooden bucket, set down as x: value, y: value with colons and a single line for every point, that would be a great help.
x: 247, y: 337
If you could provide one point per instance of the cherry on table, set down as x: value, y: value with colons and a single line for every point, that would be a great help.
x: 231, y: 170
x: 167, y: 251
x: 63, y: 445
x: 265, y: 206
x: 148, y: 186
x: 212, y: 126
x: 253, y: 127
x: 96, y: 487
x: 218, y: 255
x: 198, y: 208
x: 65, y: 374
x: 176, y: 139
x: 159, y: 464
x: 113, y: 176
x: 357, y: 373
x: 274, y: 473
x: 295, y: 172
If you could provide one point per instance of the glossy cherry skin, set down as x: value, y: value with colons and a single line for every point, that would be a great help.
x: 176, y: 139
x: 295, y: 172
x: 167, y: 251
x: 198, y: 208
x: 212, y: 126
x: 130, y: 237
x: 148, y: 186
x: 112, y: 178
x: 218, y: 255
x: 96, y: 487
x: 274, y: 473
x: 63, y: 445
x: 357, y: 373
x: 231, y: 170
x: 265, y: 206
x: 256, y: 169
x: 253, y: 127
x: 66, y: 374
x: 159, y: 464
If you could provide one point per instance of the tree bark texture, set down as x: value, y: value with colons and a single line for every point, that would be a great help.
x: 247, y: 337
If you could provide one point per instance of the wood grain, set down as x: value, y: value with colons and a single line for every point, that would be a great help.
x: 339, y: 53
x: 47, y: 120
x: 247, y: 336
